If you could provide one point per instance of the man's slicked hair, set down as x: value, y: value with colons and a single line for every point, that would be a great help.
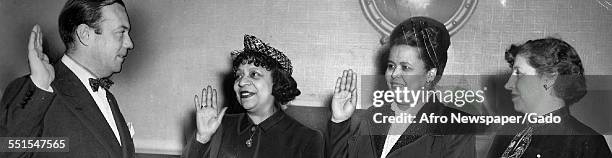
x: 77, y: 12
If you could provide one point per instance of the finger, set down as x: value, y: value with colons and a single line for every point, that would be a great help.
x: 195, y: 100
x: 37, y: 42
x: 214, y: 100
x: 337, y: 87
x: 39, y: 39
x: 354, y: 97
x: 36, y: 30
x: 349, y: 80
x: 202, y: 97
x: 354, y: 82
x: 32, y: 40
x: 343, y: 84
x: 208, y: 96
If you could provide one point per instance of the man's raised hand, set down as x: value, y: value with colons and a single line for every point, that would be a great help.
x: 41, y: 70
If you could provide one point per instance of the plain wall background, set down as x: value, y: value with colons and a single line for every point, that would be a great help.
x: 184, y: 45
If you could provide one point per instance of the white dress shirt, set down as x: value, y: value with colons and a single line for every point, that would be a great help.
x: 99, y: 96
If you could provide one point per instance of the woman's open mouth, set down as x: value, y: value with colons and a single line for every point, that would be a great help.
x: 246, y: 94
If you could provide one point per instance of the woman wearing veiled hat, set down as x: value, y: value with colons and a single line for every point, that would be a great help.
x: 415, y: 57
x: 263, y: 84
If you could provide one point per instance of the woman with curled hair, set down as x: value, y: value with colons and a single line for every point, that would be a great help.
x: 414, y: 58
x: 547, y: 78
x: 263, y: 84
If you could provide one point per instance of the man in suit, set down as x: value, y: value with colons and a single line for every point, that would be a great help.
x: 71, y: 98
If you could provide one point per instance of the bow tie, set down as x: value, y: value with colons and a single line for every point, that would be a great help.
x: 100, y: 82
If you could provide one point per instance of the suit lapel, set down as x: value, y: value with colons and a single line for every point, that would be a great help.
x: 417, y: 130
x: 84, y: 107
x: 379, y: 130
x: 124, y: 132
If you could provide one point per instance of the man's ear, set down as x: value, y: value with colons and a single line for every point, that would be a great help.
x: 83, y: 34
x: 431, y: 74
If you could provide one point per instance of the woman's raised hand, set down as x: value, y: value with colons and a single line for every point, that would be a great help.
x: 345, y: 96
x: 208, y: 114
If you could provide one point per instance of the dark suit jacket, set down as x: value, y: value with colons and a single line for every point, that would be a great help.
x: 27, y: 111
x: 361, y: 137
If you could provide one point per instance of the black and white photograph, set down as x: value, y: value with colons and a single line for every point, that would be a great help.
x: 306, y: 78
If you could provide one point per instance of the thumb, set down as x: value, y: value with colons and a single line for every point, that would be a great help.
x: 354, y: 96
x: 221, y: 114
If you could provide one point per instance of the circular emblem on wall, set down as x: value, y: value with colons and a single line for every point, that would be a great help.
x: 386, y: 14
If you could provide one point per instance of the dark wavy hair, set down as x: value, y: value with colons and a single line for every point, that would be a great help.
x: 284, y: 87
x: 550, y: 56
x: 77, y: 12
x: 430, y: 36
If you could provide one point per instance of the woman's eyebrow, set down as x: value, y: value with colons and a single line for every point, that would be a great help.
x: 254, y: 69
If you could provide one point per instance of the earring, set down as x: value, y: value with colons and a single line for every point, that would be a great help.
x: 546, y: 87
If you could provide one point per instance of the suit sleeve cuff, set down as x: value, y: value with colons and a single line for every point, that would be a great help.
x: 338, y: 127
x: 37, y: 95
x: 343, y: 123
x: 50, y: 89
x: 197, y: 149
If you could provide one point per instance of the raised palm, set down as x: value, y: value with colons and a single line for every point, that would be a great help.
x: 208, y: 115
x: 41, y: 70
x: 345, y: 96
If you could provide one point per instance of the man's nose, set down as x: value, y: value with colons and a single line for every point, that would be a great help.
x: 128, y: 43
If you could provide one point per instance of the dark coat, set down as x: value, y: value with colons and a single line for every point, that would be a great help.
x: 567, y: 139
x: 277, y: 136
x: 360, y: 137
x: 70, y: 111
